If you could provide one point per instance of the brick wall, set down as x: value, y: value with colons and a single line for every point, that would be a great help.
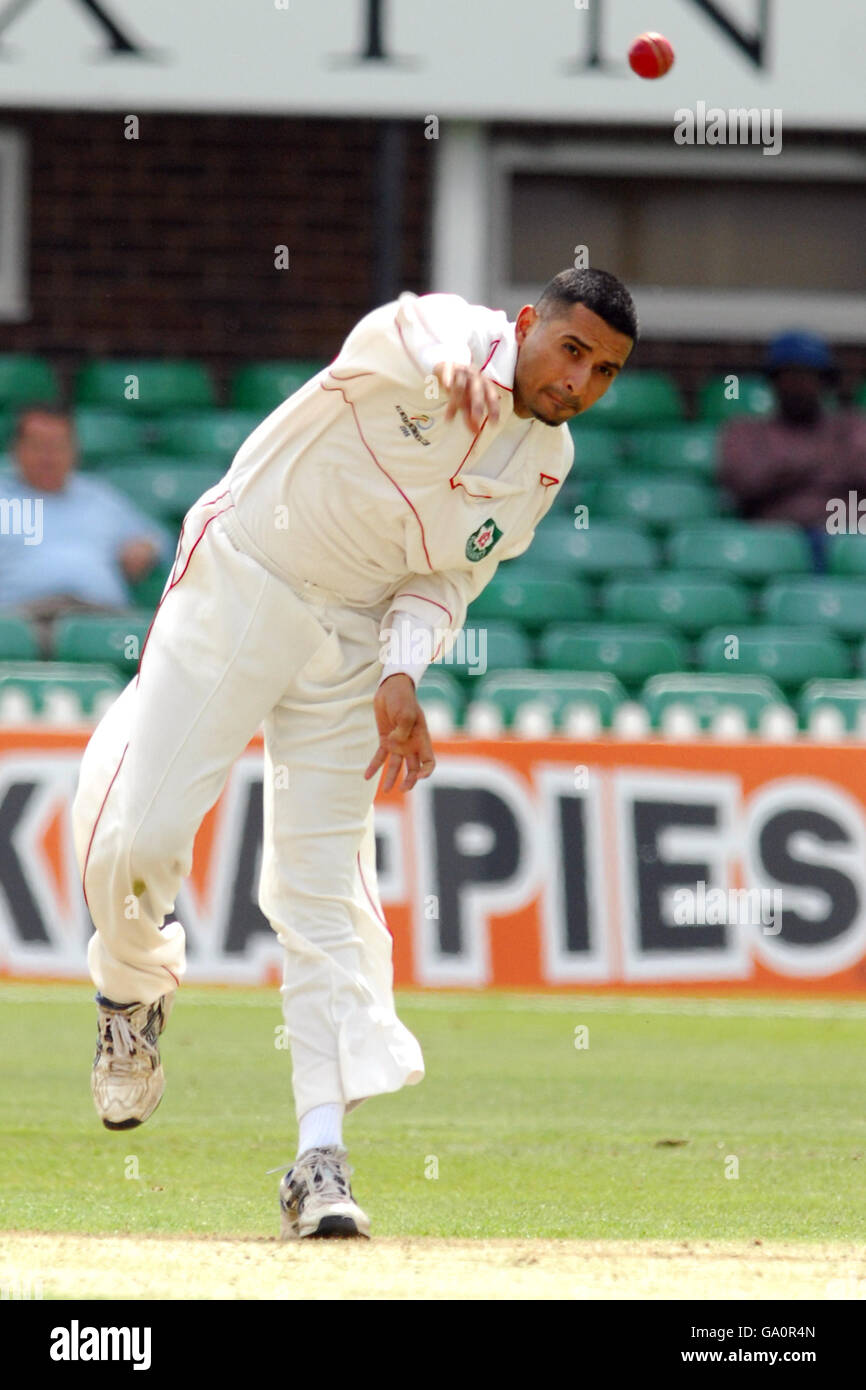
x: 165, y: 245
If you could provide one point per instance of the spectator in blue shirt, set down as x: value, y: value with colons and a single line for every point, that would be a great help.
x: 69, y: 543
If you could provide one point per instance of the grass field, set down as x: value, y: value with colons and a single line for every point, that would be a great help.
x: 680, y: 1123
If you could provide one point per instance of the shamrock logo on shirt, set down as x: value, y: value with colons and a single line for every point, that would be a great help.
x: 482, y: 541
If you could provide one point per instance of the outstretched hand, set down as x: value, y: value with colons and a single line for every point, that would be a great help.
x: 468, y: 390
x: 403, y: 734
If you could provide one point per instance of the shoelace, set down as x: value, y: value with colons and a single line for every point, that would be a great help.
x: 331, y: 1166
x: 125, y: 1044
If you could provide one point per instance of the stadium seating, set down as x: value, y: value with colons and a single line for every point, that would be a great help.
x: 147, y: 592
x: 25, y: 379
x: 594, y: 448
x: 838, y: 605
x: 29, y: 689
x: 688, y: 602
x: 754, y: 397
x: 262, y: 386
x: 846, y: 555
x: 638, y: 398
x: 209, y: 433
x: 657, y: 502
x: 559, y: 691
x: 710, y: 696
x: 687, y: 449
x: 438, y: 687
x: 600, y: 549
x: 630, y: 653
x: 748, y: 550
x: 847, y: 697
x: 488, y: 646
x: 790, y: 655
x: 163, y: 488
x: 105, y: 435
x: 17, y: 639
x: 533, y: 603
x: 111, y: 640
x: 161, y: 385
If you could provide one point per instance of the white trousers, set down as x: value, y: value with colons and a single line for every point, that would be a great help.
x: 232, y: 647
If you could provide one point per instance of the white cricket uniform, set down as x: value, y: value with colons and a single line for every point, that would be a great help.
x: 352, y: 509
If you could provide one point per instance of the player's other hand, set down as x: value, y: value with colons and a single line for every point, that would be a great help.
x: 468, y: 390
x: 402, y: 734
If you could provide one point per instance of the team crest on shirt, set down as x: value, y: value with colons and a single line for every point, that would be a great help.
x: 482, y: 541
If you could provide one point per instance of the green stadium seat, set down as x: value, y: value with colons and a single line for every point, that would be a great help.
x: 17, y: 639
x: 557, y: 691
x: 601, y: 548
x: 25, y: 380
x: 594, y: 448
x: 755, y: 397
x: 688, y: 602
x: 846, y: 555
x: 708, y: 696
x: 656, y: 502
x: 836, y: 604
x: 488, y: 646
x: 860, y: 395
x: 105, y: 435
x: 790, y: 655
x: 163, y: 488
x: 690, y: 449
x: 630, y: 653
x: 438, y: 687
x: 162, y: 385
x: 639, y: 398
x: 848, y: 697
x: 532, y: 603
x: 146, y: 593
x: 262, y: 386
x: 749, y: 550
x: 577, y: 491
x: 213, y: 433
x: 37, y: 680
x: 116, y: 640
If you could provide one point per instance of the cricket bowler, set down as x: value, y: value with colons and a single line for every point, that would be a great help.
x: 350, y: 533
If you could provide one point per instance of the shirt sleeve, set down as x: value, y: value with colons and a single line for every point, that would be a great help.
x: 405, y: 339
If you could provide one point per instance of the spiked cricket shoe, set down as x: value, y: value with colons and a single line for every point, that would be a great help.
x: 127, y: 1080
x: 316, y: 1199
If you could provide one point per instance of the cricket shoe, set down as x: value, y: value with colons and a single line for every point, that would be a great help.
x: 316, y: 1199
x: 127, y: 1080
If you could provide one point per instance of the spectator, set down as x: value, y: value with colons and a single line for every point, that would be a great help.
x: 68, y: 543
x: 789, y: 466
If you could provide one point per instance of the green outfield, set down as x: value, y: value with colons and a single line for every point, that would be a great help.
x: 677, y: 1120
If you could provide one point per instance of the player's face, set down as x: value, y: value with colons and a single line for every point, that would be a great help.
x: 565, y: 362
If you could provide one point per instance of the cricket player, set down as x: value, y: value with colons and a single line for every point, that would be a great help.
x: 311, y: 587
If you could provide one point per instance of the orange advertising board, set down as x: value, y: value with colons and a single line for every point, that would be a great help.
x: 544, y: 864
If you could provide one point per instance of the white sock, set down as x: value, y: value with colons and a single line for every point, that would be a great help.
x: 320, y: 1126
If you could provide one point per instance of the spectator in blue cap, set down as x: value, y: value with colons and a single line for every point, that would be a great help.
x: 792, y: 465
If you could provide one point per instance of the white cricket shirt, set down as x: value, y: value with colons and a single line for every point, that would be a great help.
x: 358, y: 485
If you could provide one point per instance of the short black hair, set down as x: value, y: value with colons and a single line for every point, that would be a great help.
x: 56, y: 409
x: 600, y: 291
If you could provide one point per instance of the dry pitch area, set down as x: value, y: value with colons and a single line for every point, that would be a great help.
x: 97, y: 1267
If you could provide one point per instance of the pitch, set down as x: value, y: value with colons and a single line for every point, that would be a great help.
x: 560, y: 1146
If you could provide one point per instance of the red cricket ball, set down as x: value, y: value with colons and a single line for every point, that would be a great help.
x: 651, y: 55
